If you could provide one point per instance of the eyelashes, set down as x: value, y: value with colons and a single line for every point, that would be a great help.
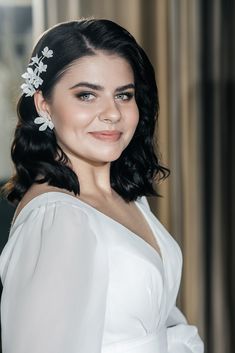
x: 85, y: 96
x: 126, y: 95
x: 90, y: 96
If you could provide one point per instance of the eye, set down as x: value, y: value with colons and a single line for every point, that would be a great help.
x: 125, y: 96
x: 85, y: 96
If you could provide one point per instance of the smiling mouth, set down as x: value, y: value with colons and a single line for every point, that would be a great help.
x: 106, y: 135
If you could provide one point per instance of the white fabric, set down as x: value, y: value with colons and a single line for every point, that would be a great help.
x: 77, y: 281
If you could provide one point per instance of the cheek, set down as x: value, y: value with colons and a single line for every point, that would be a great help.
x: 70, y: 118
x: 133, y: 116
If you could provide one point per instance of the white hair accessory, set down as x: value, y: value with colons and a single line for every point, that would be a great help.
x: 32, y: 76
x: 45, y: 120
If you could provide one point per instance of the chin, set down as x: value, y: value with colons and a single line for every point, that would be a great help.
x: 108, y: 157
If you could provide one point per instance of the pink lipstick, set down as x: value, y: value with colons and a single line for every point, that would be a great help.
x: 106, y: 135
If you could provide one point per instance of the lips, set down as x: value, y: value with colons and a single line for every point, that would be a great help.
x: 105, y: 132
x: 106, y: 135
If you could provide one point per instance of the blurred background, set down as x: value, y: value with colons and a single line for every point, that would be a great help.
x: 191, y: 45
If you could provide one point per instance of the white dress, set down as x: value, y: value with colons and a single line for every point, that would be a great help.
x: 77, y: 281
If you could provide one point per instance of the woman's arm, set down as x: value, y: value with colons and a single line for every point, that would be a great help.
x: 182, y: 337
x: 54, y: 284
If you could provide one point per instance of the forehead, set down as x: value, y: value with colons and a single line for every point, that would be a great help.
x: 101, y: 67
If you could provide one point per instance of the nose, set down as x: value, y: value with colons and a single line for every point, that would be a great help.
x: 110, y: 111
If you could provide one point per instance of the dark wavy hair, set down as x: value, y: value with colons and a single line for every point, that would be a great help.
x: 38, y: 158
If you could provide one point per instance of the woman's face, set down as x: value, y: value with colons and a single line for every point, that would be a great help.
x: 95, y: 94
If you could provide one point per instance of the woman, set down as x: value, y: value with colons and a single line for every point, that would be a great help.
x: 88, y: 268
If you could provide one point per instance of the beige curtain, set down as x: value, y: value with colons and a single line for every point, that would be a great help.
x: 177, y: 26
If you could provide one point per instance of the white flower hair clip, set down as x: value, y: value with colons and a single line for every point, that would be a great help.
x: 32, y: 76
x: 45, y: 120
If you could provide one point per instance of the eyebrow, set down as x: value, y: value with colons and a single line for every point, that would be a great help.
x: 101, y: 88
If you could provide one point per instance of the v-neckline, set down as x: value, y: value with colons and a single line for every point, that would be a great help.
x: 159, y: 253
x: 75, y: 199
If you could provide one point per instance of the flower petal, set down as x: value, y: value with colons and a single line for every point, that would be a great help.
x: 24, y: 86
x: 50, y: 54
x: 42, y: 67
x: 50, y: 124
x: 35, y: 60
x: 28, y: 89
x: 30, y: 93
x: 43, y: 127
x: 39, y: 120
x: 37, y: 82
x: 47, y: 53
x: 25, y: 75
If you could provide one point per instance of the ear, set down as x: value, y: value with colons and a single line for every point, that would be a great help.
x: 40, y: 103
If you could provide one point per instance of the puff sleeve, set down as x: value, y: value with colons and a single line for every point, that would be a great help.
x: 54, y: 274
x: 182, y: 337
